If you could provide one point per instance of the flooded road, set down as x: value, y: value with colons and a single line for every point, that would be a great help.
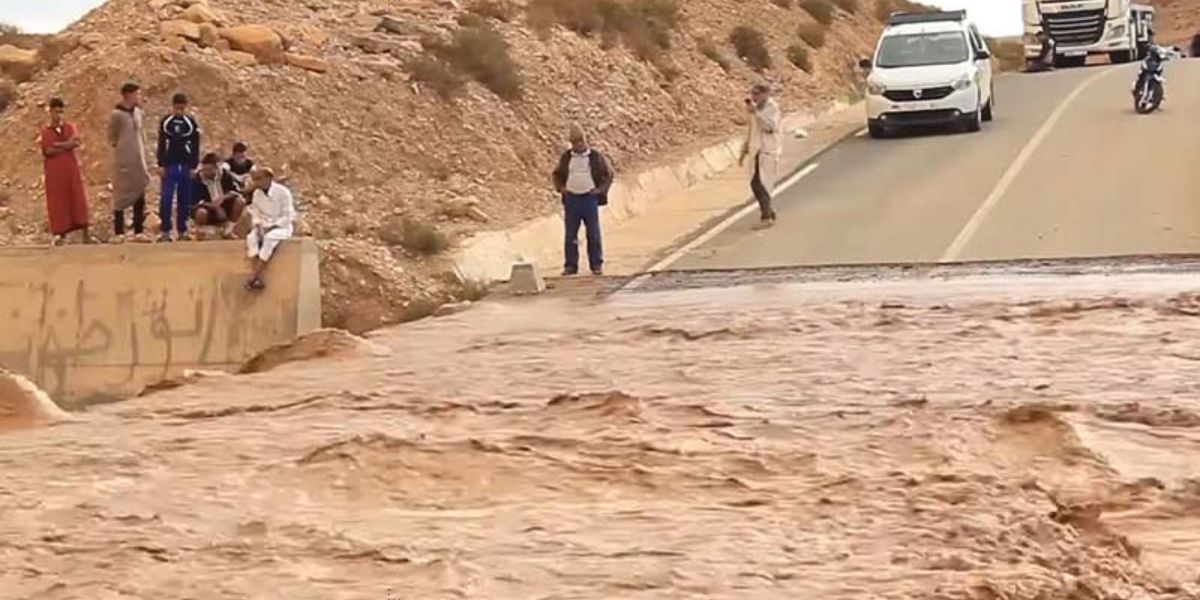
x: 972, y: 439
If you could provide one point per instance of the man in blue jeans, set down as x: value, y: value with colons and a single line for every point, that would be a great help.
x: 178, y: 157
x: 583, y: 178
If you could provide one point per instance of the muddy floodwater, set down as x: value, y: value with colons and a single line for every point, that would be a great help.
x: 971, y: 439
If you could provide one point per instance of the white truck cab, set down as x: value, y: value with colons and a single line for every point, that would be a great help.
x: 929, y: 69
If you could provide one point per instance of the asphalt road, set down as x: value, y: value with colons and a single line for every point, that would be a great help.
x: 1067, y: 169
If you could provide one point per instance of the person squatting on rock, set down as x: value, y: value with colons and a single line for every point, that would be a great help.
x: 583, y: 177
x: 217, y: 197
x: 66, y: 196
x: 178, y: 158
x: 764, y: 142
x: 130, y: 174
x: 272, y: 211
x: 239, y: 165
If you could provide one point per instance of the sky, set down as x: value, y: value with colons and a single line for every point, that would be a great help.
x: 994, y: 17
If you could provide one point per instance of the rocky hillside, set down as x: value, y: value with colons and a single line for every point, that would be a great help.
x: 406, y: 125
x: 1177, y: 21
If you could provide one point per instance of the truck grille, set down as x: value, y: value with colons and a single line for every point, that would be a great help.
x: 936, y: 93
x: 1079, y: 28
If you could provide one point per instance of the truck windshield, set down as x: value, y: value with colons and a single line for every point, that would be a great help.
x: 922, y: 49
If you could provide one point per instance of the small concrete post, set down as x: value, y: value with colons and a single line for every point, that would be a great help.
x: 525, y: 280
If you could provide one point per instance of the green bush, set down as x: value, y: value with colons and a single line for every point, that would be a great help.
x: 813, y: 34
x: 798, y: 55
x: 751, y: 47
x: 821, y: 10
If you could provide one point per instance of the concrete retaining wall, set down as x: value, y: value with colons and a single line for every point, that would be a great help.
x: 92, y: 324
x: 489, y: 256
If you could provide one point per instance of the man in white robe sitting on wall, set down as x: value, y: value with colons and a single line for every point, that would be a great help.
x: 272, y: 212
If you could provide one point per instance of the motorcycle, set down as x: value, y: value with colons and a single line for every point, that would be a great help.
x: 1148, y: 91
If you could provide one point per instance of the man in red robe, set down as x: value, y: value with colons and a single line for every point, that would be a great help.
x: 66, y: 196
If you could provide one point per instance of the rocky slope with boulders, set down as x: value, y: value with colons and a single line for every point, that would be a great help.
x: 404, y: 126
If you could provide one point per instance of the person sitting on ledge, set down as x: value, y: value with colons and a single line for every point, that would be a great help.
x: 218, y: 201
x: 272, y: 211
x: 239, y: 165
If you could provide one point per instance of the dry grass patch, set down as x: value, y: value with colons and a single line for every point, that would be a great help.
x: 813, y: 34
x: 500, y: 10
x: 798, y: 55
x: 643, y: 26
x: 821, y: 10
x: 751, y: 47
x: 710, y: 50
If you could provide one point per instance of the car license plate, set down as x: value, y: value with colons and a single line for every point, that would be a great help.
x: 911, y: 106
x: 1075, y: 53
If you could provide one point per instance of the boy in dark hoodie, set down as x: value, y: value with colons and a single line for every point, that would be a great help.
x: 178, y: 158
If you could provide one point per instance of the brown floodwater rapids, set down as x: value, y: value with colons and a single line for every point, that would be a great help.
x: 987, y: 439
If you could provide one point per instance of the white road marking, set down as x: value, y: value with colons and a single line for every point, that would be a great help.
x: 861, y: 133
x: 704, y: 238
x: 954, y: 252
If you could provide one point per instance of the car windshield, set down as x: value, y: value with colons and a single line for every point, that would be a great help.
x: 922, y: 49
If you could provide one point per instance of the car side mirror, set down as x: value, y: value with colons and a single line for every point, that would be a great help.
x: 865, y: 64
x: 983, y: 55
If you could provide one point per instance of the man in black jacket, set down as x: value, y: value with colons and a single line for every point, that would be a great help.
x: 583, y: 177
x: 178, y: 157
x: 219, y: 201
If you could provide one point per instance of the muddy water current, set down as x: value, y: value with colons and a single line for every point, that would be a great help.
x: 952, y: 440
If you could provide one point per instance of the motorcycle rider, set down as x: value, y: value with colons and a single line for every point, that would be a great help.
x: 1045, y: 57
x: 1151, y: 66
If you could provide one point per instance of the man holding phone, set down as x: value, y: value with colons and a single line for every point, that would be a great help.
x: 765, y: 142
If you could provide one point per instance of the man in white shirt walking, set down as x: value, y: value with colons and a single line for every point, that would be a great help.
x: 583, y: 177
x: 272, y: 212
x: 765, y: 143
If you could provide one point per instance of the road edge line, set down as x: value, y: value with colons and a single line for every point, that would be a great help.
x: 954, y: 250
x: 716, y: 230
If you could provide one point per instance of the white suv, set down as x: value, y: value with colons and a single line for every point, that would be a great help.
x: 929, y: 69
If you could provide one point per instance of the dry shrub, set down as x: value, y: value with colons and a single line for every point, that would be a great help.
x: 476, y: 50
x: 850, y: 6
x: 782, y: 3
x: 483, y: 53
x: 422, y: 238
x: 798, y: 55
x: 751, y: 47
x: 436, y: 73
x: 821, y: 10
x: 813, y: 34
x: 644, y: 26
x: 709, y: 49
x: 8, y: 94
x: 473, y: 290
x: 500, y: 10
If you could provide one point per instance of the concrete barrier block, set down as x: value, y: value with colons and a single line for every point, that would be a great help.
x: 525, y: 280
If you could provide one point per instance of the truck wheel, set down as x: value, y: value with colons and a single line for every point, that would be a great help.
x: 877, y: 131
x: 1070, y: 61
x: 990, y: 108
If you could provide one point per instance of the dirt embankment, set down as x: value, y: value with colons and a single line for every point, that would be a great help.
x: 406, y: 126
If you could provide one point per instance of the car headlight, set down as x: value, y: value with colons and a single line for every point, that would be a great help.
x: 875, y: 88
x: 1117, y: 32
x: 963, y: 83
